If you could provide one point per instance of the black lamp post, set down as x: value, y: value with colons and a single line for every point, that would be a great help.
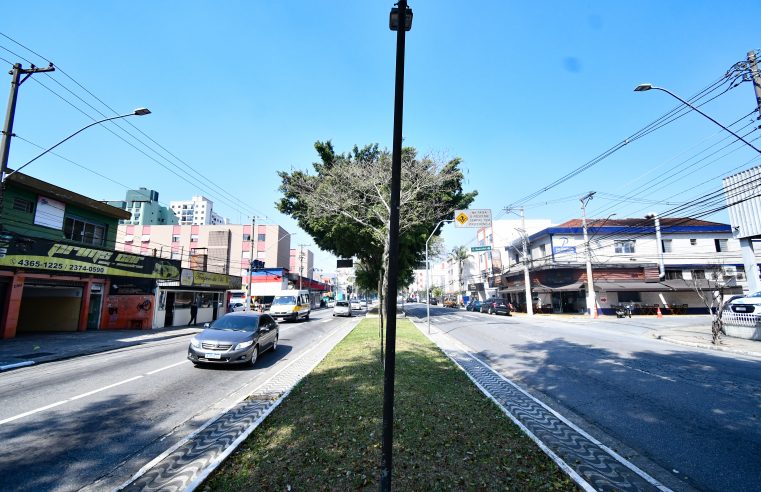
x: 401, y: 15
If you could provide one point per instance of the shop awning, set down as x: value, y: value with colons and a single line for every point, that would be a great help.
x: 561, y: 288
x: 507, y: 290
x: 632, y: 286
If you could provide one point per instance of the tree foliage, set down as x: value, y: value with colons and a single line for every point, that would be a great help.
x: 345, y: 204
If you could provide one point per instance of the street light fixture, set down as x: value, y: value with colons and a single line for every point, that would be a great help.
x: 647, y: 87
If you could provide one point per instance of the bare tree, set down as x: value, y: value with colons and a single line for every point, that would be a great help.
x: 713, y: 298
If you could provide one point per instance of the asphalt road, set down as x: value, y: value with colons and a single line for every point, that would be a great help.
x: 92, y: 422
x: 687, y: 416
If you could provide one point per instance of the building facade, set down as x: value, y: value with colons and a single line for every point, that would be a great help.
x: 629, y: 265
x: 223, y: 249
x: 197, y: 211
x: 145, y: 209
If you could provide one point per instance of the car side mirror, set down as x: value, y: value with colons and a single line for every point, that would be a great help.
x: 206, y: 325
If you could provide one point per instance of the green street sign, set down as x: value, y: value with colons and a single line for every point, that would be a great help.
x: 473, y: 249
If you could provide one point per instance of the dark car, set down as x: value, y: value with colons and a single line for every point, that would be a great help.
x: 495, y: 305
x: 235, y: 338
x: 474, y: 305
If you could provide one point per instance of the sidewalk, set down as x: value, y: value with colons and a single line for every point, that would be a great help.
x: 700, y: 337
x: 27, y: 350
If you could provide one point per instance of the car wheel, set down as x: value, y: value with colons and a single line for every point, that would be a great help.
x: 254, y: 355
x: 274, y: 344
x: 307, y: 317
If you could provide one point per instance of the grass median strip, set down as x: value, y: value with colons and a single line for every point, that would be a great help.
x: 447, y: 435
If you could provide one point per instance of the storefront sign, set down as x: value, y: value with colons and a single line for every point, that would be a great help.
x: 50, y: 256
x: 195, y: 278
x: 563, y: 249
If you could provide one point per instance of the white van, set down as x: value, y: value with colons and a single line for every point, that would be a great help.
x: 291, y: 305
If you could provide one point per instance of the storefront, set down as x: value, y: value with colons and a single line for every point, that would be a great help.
x: 204, y: 293
x: 49, y: 286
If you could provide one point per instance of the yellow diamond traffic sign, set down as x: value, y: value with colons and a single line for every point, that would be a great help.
x: 462, y: 218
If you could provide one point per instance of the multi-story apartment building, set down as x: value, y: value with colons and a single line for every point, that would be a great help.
x: 197, y: 211
x: 629, y: 265
x: 302, y: 261
x: 145, y: 209
x: 215, y: 248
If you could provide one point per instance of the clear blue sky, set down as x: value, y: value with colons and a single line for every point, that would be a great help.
x: 524, y: 92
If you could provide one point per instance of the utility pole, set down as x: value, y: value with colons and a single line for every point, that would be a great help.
x: 591, y: 301
x: 756, y: 79
x: 526, y: 275
x: 301, y: 262
x: 5, y: 142
x: 752, y: 271
x: 251, y: 261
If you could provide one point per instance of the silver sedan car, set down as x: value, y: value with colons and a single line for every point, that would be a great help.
x: 235, y: 338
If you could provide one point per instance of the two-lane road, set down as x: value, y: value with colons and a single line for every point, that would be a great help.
x: 92, y: 422
x: 690, y: 417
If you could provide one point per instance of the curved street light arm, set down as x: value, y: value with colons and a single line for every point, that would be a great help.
x: 137, y: 112
x: 647, y: 87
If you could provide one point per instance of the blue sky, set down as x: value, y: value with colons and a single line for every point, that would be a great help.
x: 524, y: 92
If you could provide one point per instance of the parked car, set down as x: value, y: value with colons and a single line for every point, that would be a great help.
x: 355, y: 304
x: 495, y: 305
x: 235, y: 338
x: 432, y: 301
x: 750, y: 304
x: 342, y: 308
x: 474, y: 305
x: 450, y: 303
x: 331, y: 303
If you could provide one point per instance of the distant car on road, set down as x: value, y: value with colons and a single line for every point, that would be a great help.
x: 363, y: 303
x: 235, y: 338
x: 495, y: 305
x: 432, y: 301
x: 355, y: 304
x: 331, y: 303
x: 342, y: 308
x: 450, y: 303
x: 237, y: 306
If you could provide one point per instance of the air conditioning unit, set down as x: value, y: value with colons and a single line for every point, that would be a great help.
x: 729, y: 271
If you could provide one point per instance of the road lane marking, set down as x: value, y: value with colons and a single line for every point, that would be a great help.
x: 165, y: 368
x: 84, y: 395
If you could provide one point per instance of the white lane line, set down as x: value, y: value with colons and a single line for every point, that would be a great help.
x: 165, y: 368
x: 83, y: 395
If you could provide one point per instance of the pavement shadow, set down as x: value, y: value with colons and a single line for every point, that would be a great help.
x: 64, y: 451
x: 696, y: 412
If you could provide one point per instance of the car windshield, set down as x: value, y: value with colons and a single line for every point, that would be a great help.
x: 236, y: 323
x: 342, y: 303
x: 285, y: 300
x: 755, y: 294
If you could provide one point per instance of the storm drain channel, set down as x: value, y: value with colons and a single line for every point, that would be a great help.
x: 187, y: 464
x: 591, y: 464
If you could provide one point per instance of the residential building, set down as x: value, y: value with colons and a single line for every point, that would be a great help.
x: 628, y: 264
x: 145, y: 209
x: 217, y: 248
x: 197, y: 211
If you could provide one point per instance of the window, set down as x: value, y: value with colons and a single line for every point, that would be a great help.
x: 261, y: 237
x: 83, y: 231
x: 629, y: 297
x: 674, y: 275
x: 175, y: 238
x: 23, y: 205
x: 176, y: 255
x: 623, y: 247
x: 698, y: 274
x: 667, y: 246
x: 194, y: 238
x: 693, y: 242
x: 128, y: 238
x: 721, y: 245
x: 543, y: 249
x: 145, y: 238
x: 247, y: 237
